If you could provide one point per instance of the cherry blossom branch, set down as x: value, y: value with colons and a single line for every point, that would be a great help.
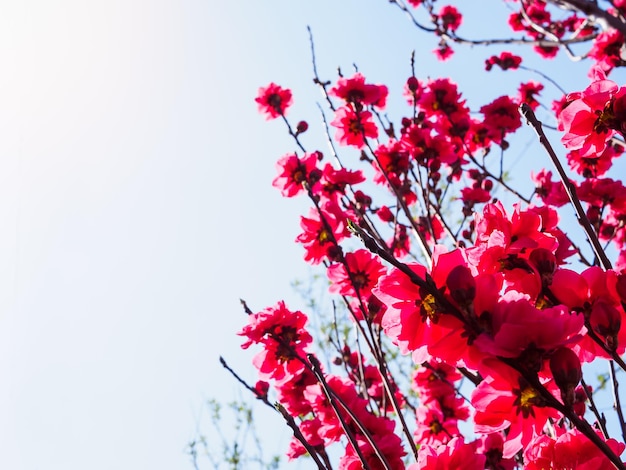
x: 292, y: 133
x: 426, y: 251
x: 488, y: 173
x: 611, y: 352
x: 567, y: 411
x: 541, y: 30
x: 371, y: 227
x: 316, y: 78
x: 323, y: 85
x: 527, y: 112
x: 382, y: 369
x: 379, y: 357
x: 335, y: 399
x: 287, y: 417
x: 591, y: 8
x: 427, y: 283
x: 600, y: 419
x: 494, y: 41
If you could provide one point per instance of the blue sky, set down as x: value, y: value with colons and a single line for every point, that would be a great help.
x: 137, y: 209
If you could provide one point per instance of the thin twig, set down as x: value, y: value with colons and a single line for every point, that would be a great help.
x: 334, y: 400
x: 290, y: 421
x: 600, y: 418
x: 617, y: 403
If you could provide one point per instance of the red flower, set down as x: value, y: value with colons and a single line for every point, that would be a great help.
x: 501, y: 117
x: 284, y: 339
x: 435, y: 380
x: 471, y: 196
x: 392, y: 164
x: 293, y: 171
x: 409, y: 314
x: 450, y: 18
x: 583, y: 120
x: 455, y: 455
x: 443, y: 51
x: 354, y: 90
x: 273, y: 100
x: 308, y: 428
x: 320, y: 239
x: 412, y: 90
x: 441, y: 97
x: 333, y: 181
x: 550, y: 192
x: 505, y: 61
x: 389, y: 445
x: 415, y: 319
x: 428, y: 149
x: 353, y: 128
x: 385, y: 214
x: 567, y: 372
x: 365, y: 269
x: 607, y: 48
x: 527, y: 92
x: 518, y: 330
x: 593, y: 166
x: 506, y: 400
x: 433, y: 426
x: 570, y: 449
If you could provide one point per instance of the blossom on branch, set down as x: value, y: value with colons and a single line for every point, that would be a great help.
x: 273, y: 101
x: 505, y: 61
x: 354, y: 127
x: 358, y: 93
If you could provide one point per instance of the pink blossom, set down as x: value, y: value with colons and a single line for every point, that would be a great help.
x: 582, y: 119
x: 353, y: 128
x: 273, y: 100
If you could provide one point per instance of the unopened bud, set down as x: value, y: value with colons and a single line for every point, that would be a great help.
x: 413, y: 84
x: 567, y: 373
x: 544, y: 262
x: 462, y: 285
x: 261, y: 388
x: 302, y: 127
x: 606, y: 321
x: 580, y: 397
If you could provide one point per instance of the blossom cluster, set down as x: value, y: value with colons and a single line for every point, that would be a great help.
x: 497, y: 307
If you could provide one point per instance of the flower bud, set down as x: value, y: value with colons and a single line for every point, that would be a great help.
x: 462, y: 285
x: 302, y: 127
x: 544, y: 262
x: 606, y: 321
x: 385, y: 214
x: 567, y: 373
x: 413, y: 84
x: 580, y: 398
x: 261, y: 388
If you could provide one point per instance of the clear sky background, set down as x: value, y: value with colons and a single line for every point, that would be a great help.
x: 136, y: 205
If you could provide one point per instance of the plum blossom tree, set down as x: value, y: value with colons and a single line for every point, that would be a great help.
x: 464, y: 332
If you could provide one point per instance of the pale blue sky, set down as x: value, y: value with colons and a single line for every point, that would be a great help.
x: 136, y: 206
